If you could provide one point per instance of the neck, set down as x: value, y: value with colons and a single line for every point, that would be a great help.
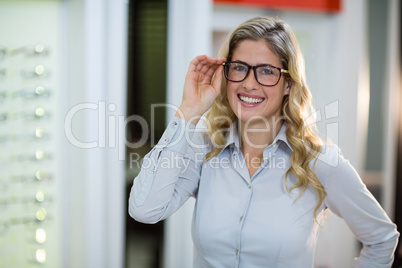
x: 256, y: 135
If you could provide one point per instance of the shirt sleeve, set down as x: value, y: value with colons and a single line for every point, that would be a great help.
x: 349, y: 198
x: 169, y: 174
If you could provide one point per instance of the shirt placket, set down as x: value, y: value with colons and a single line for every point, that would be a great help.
x: 244, y: 208
x: 268, y: 154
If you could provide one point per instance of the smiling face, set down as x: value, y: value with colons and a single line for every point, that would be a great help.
x: 248, y: 99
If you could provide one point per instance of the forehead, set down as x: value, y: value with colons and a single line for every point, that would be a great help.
x: 255, y: 52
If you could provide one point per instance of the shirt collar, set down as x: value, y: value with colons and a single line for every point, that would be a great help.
x: 282, y: 136
x: 232, y: 139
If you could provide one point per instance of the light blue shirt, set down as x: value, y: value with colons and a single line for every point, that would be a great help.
x: 255, y: 222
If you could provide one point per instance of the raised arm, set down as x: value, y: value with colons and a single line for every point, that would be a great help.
x: 171, y: 170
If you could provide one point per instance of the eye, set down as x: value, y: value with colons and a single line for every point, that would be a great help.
x: 239, y: 67
x: 266, y: 71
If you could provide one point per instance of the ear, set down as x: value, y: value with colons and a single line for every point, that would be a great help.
x: 288, y: 86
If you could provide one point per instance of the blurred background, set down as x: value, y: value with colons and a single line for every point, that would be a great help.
x: 86, y: 90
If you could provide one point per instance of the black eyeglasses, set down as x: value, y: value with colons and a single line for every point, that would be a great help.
x: 265, y: 74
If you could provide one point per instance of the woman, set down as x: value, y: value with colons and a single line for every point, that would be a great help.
x: 261, y: 177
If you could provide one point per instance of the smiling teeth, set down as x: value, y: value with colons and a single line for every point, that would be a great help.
x: 250, y: 100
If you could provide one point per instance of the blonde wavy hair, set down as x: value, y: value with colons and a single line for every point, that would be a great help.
x: 296, y: 106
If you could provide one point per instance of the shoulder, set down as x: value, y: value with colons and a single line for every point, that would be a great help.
x: 329, y: 163
x: 328, y: 156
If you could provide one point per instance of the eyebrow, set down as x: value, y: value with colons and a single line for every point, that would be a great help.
x: 260, y: 64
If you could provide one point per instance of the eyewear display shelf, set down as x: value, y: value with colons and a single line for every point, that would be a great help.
x: 29, y: 126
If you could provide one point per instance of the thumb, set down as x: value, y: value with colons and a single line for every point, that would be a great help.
x: 217, y: 80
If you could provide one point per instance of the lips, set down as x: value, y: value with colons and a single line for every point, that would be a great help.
x: 250, y: 100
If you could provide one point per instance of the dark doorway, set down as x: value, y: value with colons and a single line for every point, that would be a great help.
x: 398, y: 194
x: 147, y: 53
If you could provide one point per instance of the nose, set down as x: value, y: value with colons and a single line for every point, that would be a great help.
x: 250, y: 83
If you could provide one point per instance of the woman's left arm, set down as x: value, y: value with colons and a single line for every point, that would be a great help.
x: 349, y: 198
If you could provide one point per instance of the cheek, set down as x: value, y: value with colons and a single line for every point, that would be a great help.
x: 277, y: 92
x: 231, y: 93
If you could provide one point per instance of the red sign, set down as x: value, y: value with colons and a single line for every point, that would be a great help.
x: 305, y: 5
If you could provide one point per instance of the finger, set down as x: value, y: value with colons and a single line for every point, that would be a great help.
x: 212, y: 63
x: 201, y: 65
x: 195, y: 62
x: 207, y: 67
x: 206, y: 64
x: 215, y: 60
x: 210, y: 72
x: 217, y: 83
x: 220, y: 61
x: 207, y: 77
x: 212, y: 68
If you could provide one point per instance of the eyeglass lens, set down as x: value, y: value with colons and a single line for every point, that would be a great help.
x: 266, y: 75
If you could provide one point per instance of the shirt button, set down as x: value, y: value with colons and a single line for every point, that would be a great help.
x: 241, y: 218
x: 153, y: 169
x: 174, y: 123
x: 249, y: 187
x: 167, y: 139
x: 237, y: 252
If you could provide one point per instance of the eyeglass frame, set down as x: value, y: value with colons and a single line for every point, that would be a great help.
x: 281, y: 70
